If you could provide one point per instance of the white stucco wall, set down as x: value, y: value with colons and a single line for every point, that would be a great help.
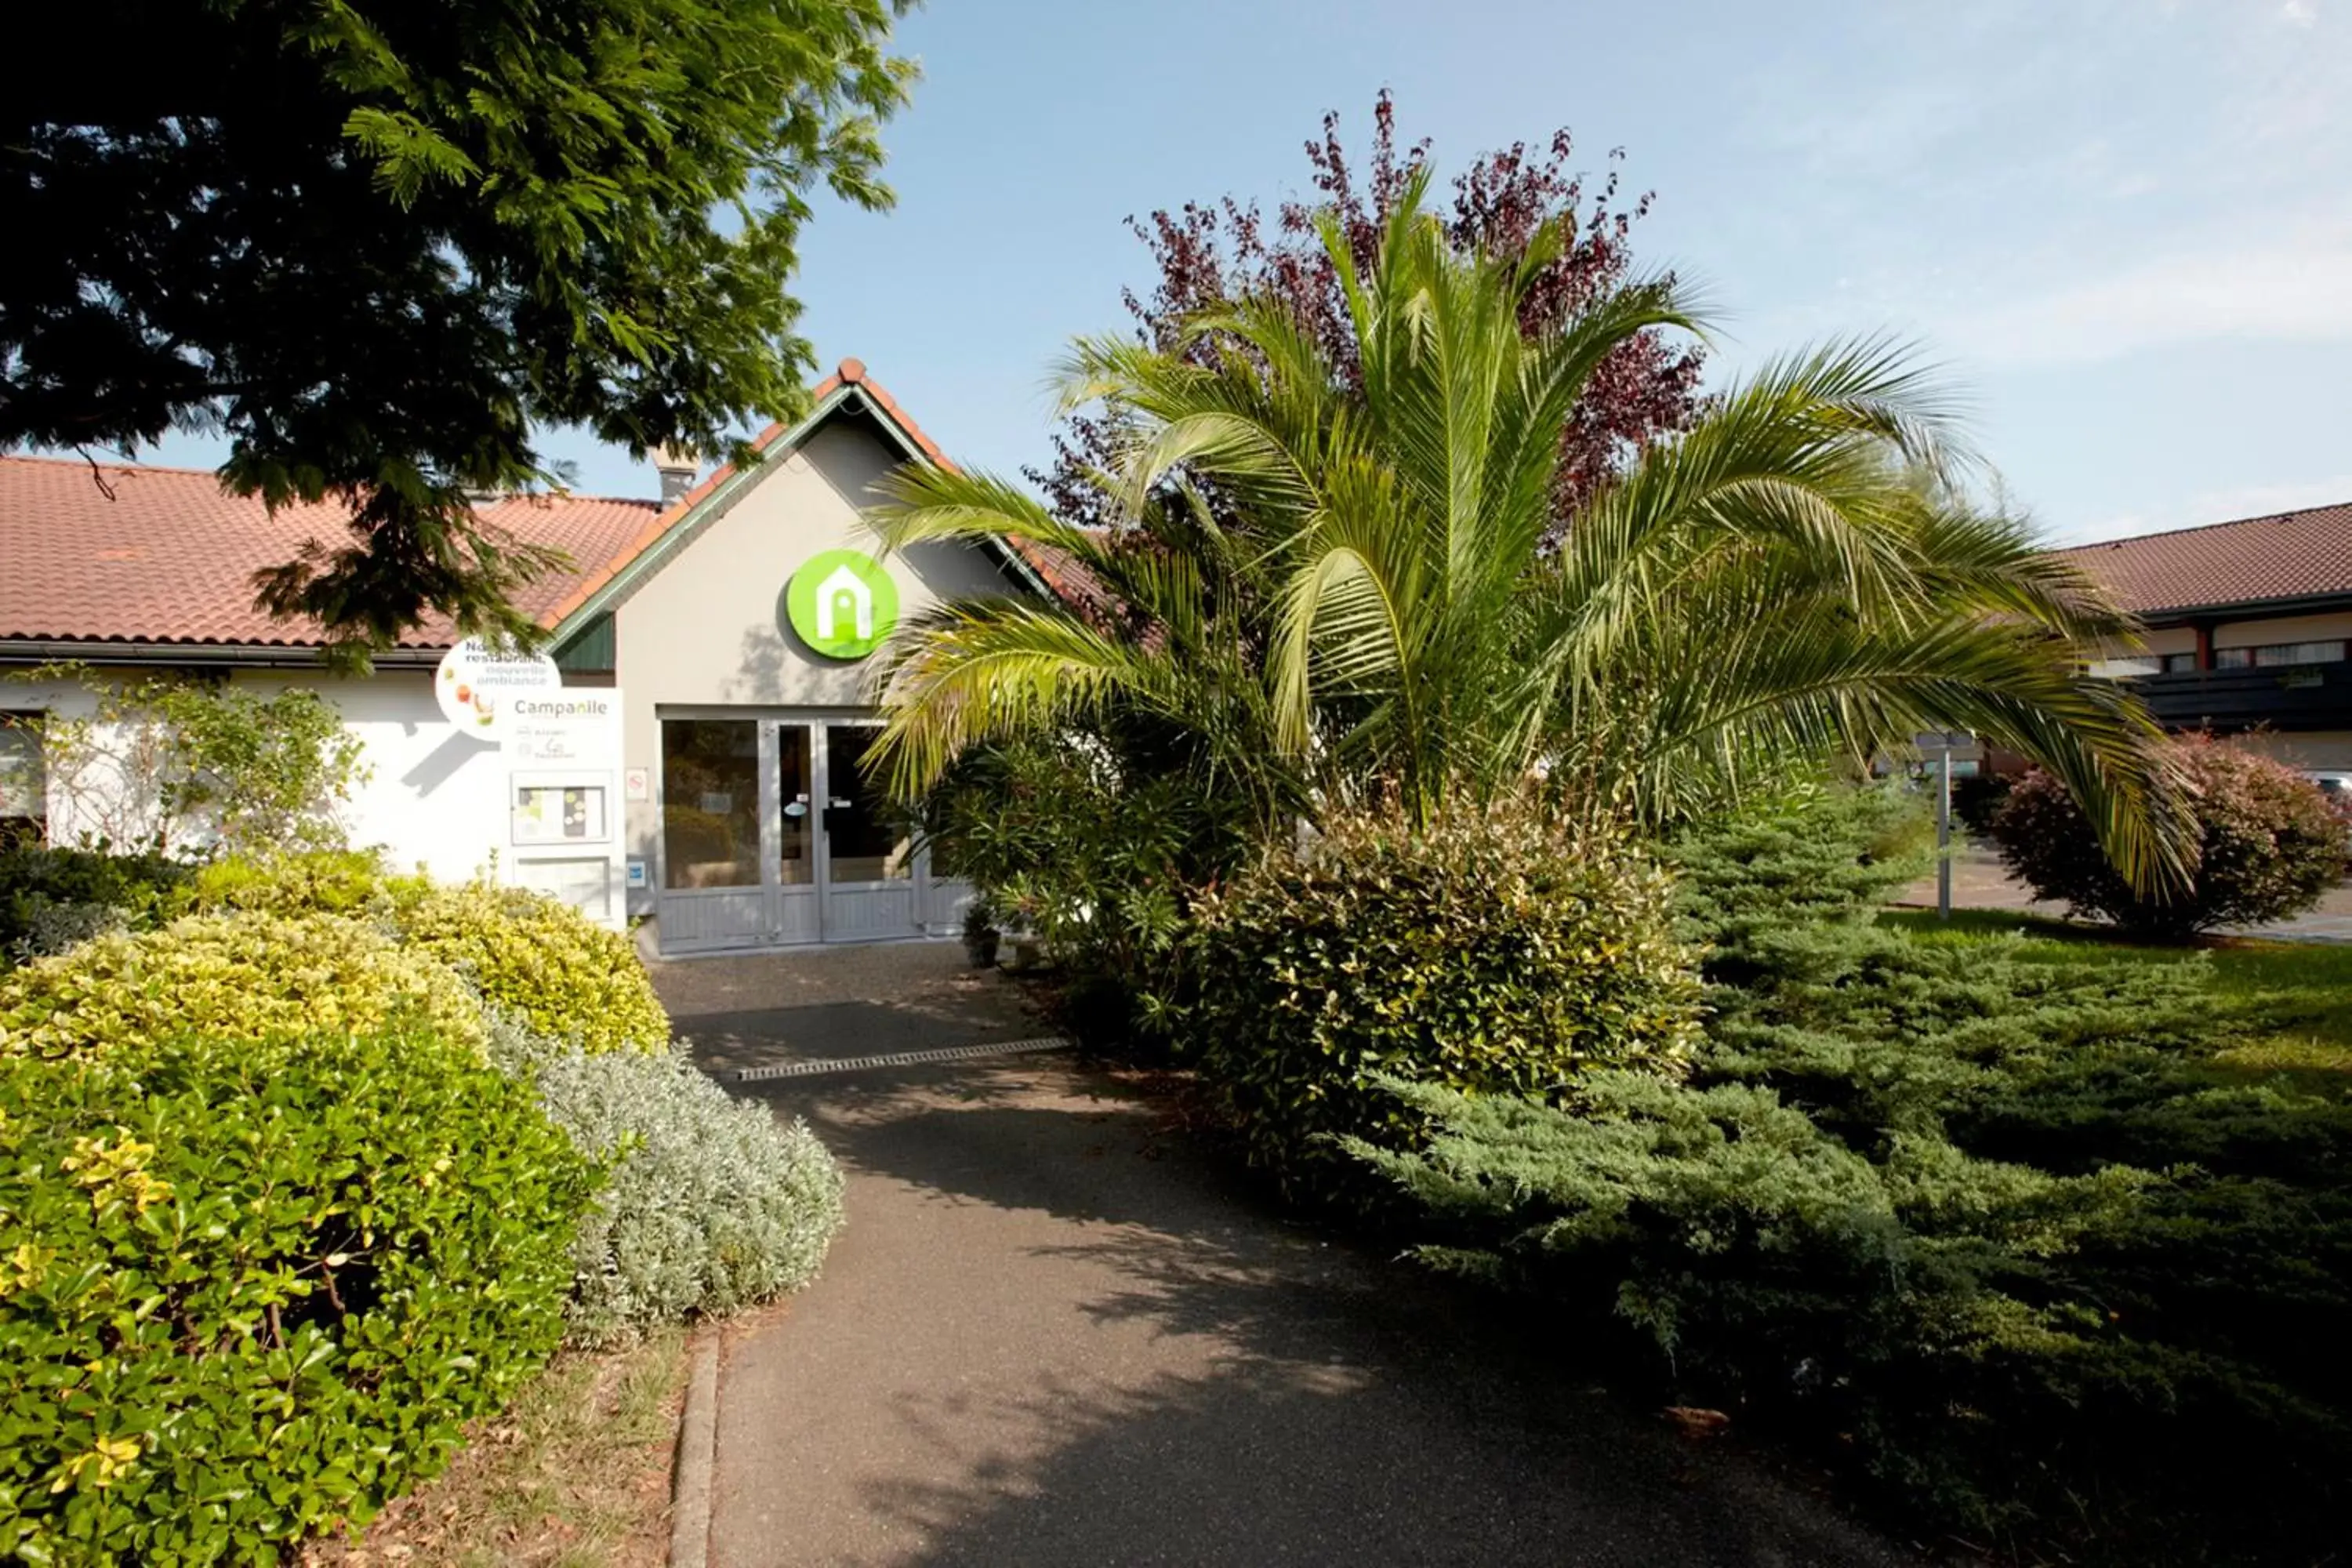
x: 708, y: 631
x: 432, y: 796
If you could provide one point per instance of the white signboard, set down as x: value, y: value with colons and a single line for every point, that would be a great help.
x: 476, y: 683
x: 574, y: 727
x: 561, y: 751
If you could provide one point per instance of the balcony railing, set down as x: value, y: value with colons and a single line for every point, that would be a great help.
x: 2279, y: 695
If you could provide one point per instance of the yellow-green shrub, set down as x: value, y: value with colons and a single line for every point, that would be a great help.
x: 545, y: 964
x: 253, y: 976
x: 307, y: 881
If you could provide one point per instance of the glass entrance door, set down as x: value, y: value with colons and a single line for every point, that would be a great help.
x: 868, y: 857
x: 777, y: 831
x: 714, y: 808
x: 797, y: 914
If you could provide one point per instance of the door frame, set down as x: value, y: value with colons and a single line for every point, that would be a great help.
x: 794, y: 914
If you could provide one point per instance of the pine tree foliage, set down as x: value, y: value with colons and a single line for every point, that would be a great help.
x: 1991, y: 1224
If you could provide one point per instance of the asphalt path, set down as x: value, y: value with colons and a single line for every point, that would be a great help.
x: 1058, y: 1330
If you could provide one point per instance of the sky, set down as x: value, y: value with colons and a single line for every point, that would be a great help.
x: 2123, y: 228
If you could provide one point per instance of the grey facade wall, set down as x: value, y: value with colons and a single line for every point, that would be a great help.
x: 708, y: 630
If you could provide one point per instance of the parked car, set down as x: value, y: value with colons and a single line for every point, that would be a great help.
x: 2335, y: 784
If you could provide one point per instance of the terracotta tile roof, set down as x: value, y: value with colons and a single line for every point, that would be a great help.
x: 170, y: 558
x: 166, y: 557
x: 2292, y: 555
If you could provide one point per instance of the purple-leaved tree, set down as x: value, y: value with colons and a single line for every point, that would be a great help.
x: 1210, y: 254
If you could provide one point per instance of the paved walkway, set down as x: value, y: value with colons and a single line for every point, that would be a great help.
x: 1979, y: 881
x: 1056, y: 1335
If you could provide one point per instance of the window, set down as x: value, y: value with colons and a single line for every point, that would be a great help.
x: 710, y: 803
x: 2177, y: 663
x: 24, y: 780
x: 2330, y: 651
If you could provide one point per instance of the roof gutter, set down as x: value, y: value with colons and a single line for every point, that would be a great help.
x: 244, y: 656
x: 2245, y: 609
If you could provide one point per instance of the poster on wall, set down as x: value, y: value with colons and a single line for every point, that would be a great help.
x: 476, y: 684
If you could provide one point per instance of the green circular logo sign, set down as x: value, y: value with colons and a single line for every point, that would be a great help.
x: 841, y: 603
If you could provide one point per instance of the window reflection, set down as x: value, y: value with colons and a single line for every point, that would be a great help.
x: 865, y: 840
x: 795, y: 867
x: 710, y: 803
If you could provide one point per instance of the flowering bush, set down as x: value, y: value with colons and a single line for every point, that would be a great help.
x: 2267, y: 844
x: 711, y: 1204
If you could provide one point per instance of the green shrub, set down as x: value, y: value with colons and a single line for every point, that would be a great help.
x: 545, y: 964
x: 2268, y: 845
x: 312, y: 881
x: 1821, y: 852
x: 52, y: 898
x: 1493, y: 953
x: 1988, y: 1222
x: 711, y: 1206
x: 1092, y: 844
x: 234, y: 978
x: 249, y: 1291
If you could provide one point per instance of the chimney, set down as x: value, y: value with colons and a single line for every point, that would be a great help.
x: 677, y: 469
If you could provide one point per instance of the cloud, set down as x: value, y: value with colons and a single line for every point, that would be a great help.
x: 2295, y: 287
x: 2299, y: 13
x: 2226, y: 505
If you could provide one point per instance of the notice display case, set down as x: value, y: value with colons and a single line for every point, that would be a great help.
x: 548, y: 810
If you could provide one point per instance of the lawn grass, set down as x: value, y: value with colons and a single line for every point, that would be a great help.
x: 2294, y: 999
x: 575, y: 1475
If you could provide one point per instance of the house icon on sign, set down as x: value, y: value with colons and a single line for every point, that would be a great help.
x: 843, y: 596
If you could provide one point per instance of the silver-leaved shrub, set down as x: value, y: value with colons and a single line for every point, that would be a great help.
x: 711, y: 1204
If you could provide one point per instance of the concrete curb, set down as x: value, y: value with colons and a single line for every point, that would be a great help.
x: 698, y: 1453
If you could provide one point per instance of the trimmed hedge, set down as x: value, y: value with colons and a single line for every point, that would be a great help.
x: 252, y: 977
x: 1493, y: 953
x: 711, y: 1204
x: 528, y: 955
x: 541, y: 962
x: 2268, y: 845
x: 250, y: 1291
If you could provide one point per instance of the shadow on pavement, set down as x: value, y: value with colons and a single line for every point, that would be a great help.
x: 1199, y: 1380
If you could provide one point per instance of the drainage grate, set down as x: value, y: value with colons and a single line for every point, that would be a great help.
x: 902, y: 1058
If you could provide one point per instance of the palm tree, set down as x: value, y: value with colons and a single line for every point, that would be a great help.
x: 1333, y: 586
